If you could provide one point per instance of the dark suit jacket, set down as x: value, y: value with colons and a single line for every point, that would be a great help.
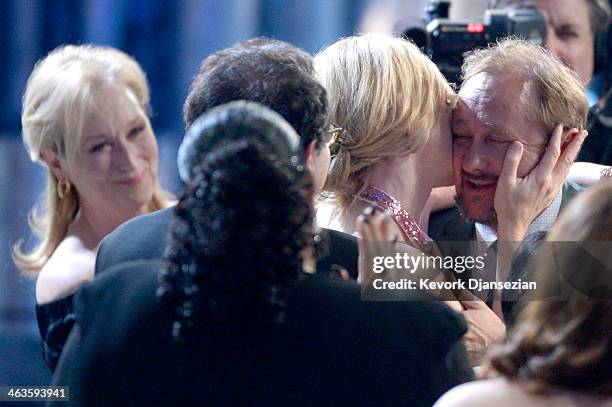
x: 332, y: 349
x: 453, y: 234
x: 144, y: 238
x: 597, y: 148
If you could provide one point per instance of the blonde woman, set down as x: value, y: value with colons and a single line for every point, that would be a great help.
x: 85, y: 118
x: 392, y: 107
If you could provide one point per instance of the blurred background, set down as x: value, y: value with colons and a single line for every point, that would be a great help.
x: 169, y: 39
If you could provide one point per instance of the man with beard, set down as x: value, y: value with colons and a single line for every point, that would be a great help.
x: 516, y: 102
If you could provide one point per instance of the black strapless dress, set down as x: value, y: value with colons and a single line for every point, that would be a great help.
x: 55, y: 320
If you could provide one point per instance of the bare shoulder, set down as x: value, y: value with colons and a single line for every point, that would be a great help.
x: 70, y: 266
x: 503, y: 393
x: 484, y: 393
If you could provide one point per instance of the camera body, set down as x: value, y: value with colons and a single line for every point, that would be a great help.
x: 446, y: 41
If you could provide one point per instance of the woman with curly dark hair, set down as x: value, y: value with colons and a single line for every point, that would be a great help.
x: 560, y: 352
x: 240, y: 232
x: 232, y: 317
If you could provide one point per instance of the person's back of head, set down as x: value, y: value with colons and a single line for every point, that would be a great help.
x: 267, y: 71
x: 241, y: 224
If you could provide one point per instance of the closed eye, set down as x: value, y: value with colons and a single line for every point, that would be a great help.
x: 493, y: 140
x: 136, y: 131
x: 99, y: 147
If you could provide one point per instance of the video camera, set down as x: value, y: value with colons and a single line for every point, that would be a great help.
x: 447, y: 41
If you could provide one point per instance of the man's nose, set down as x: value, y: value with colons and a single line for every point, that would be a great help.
x: 475, y: 159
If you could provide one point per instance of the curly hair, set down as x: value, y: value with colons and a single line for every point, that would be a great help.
x: 567, y: 343
x: 271, y: 72
x: 236, y: 239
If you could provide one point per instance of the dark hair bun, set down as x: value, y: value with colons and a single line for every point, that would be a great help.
x: 239, y: 228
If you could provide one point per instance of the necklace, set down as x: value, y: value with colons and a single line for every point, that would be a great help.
x: 411, y: 230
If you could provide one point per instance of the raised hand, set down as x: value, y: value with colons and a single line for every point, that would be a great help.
x: 519, y: 201
x: 377, y: 239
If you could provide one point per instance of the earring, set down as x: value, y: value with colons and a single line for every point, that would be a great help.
x: 63, y: 188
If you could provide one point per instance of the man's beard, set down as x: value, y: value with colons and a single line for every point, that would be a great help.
x: 490, y: 220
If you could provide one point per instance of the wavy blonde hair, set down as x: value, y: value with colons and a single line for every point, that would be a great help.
x: 387, y: 96
x: 59, y: 94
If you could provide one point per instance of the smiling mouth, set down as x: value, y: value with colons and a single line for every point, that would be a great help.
x: 132, y: 181
x: 480, y: 185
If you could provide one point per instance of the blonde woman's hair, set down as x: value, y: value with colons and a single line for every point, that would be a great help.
x: 59, y: 94
x: 557, y: 94
x: 387, y: 96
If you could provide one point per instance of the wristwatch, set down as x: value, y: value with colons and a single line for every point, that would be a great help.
x: 605, y: 174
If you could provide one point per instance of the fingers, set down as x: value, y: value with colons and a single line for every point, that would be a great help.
x: 386, y: 234
x: 474, y: 304
x: 552, y: 153
x: 339, y: 272
x: 511, y: 163
x: 364, y: 228
x: 569, y: 153
x: 374, y: 225
x: 454, y: 305
x: 371, y: 229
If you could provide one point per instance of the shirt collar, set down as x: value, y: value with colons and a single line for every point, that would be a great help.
x: 544, y: 222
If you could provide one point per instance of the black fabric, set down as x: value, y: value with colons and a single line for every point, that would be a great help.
x: 332, y: 349
x: 55, y: 320
x: 597, y: 147
x: 144, y: 238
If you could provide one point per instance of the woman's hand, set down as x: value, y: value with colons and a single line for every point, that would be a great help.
x: 377, y: 240
x: 519, y: 201
x: 484, y: 326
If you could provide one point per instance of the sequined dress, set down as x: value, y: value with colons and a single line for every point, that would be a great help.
x: 410, y: 229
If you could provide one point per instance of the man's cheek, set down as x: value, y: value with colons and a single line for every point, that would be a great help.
x: 457, y: 174
x: 528, y: 163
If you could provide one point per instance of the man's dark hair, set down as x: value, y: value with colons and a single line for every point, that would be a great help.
x: 271, y: 72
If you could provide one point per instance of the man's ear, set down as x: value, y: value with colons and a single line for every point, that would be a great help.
x: 55, y: 164
x: 568, y: 136
x: 309, y: 154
